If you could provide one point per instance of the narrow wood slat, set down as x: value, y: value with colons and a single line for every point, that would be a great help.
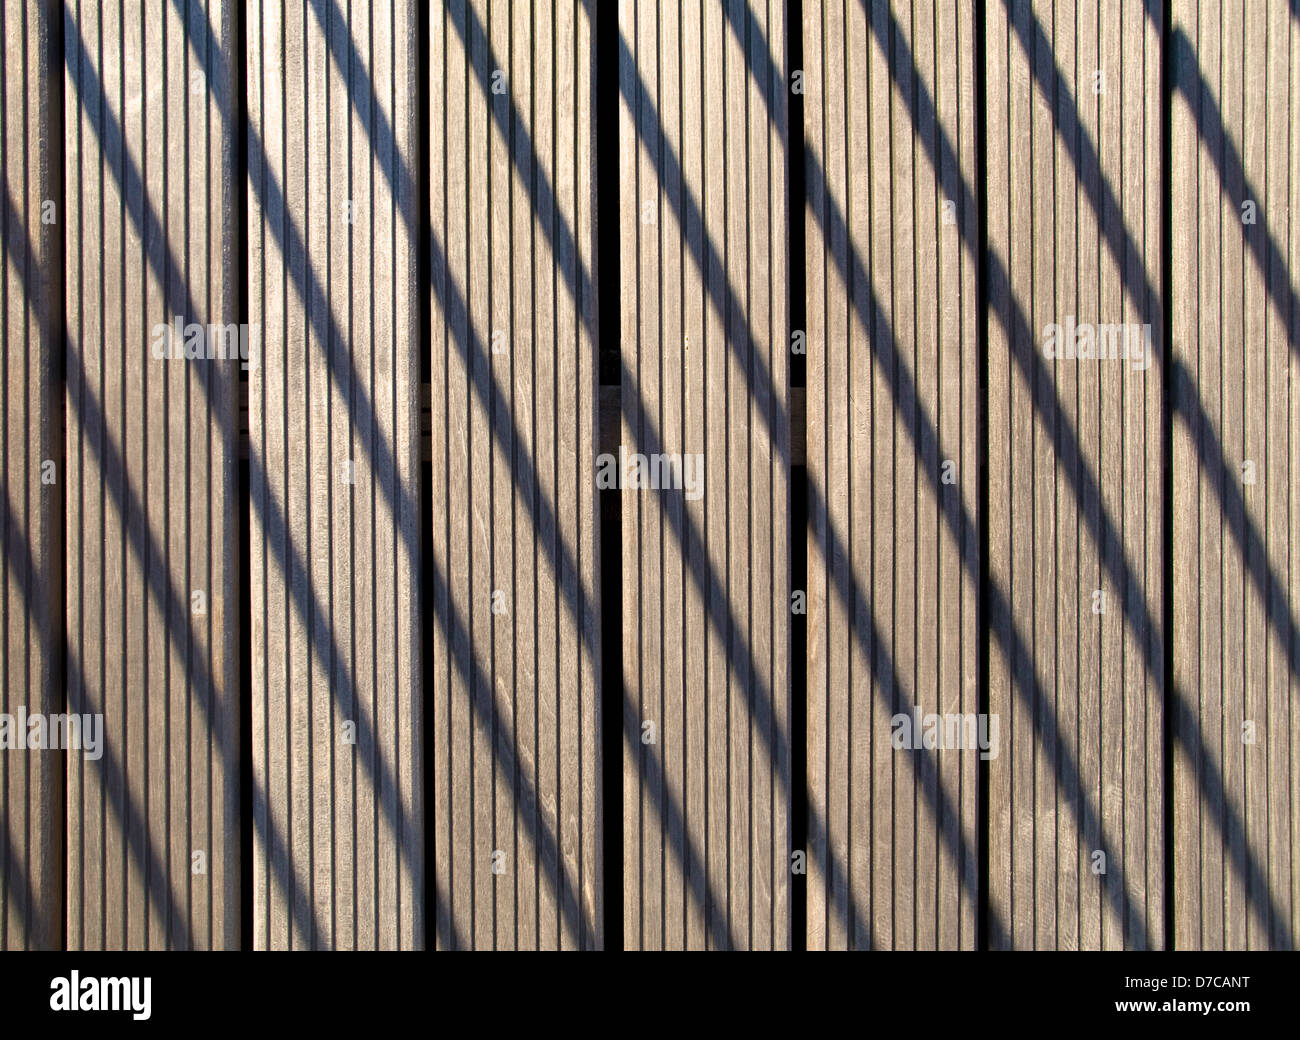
x: 706, y: 758
x: 153, y: 847
x: 31, y: 439
x: 338, y: 830
x: 892, y: 470
x: 1289, y: 250
x: 1235, y: 632
x: 516, y: 758
x: 1075, y: 503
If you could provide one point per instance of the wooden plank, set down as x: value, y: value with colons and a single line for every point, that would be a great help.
x: 337, y: 733
x: 1290, y: 251
x: 1068, y: 618
x: 153, y: 854
x: 705, y: 568
x: 695, y: 391
x: 713, y: 282
x: 519, y: 244
x: 516, y: 758
x: 1184, y: 799
x: 892, y: 562
x: 1089, y: 687
x: 671, y: 418
x: 1074, y: 506
x: 1254, y: 396
x: 998, y: 100
x: 815, y: 326
x: 1276, y: 435
x: 31, y: 432
x: 1159, y: 799
x: 1234, y: 344
x: 1115, y: 786
x: 1230, y: 434
x: 1039, y: 498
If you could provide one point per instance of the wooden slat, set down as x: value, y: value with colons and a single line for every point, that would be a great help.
x: 153, y: 851
x: 1235, y: 636
x: 516, y: 758
x: 1075, y: 503
x: 1289, y: 260
x: 31, y: 432
x: 705, y: 577
x: 336, y: 692
x: 892, y: 379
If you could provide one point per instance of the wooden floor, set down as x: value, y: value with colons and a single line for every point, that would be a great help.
x: 713, y: 474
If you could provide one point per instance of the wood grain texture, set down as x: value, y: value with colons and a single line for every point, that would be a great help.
x: 120, y: 594
x: 1234, y: 332
x: 516, y: 647
x: 706, y: 583
x: 892, y: 252
x: 152, y: 605
x: 337, y: 729
x: 31, y: 432
x: 1075, y: 515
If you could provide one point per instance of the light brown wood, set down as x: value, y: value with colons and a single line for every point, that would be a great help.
x: 516, y: 757
x: 1234, y: 775
x: 706, y: 758
x: 136, y: 542
x: 1075, y: 516
x: 338, y: 837
x: 31, y: 438
x: 153, y: 846
x: 892, y: 374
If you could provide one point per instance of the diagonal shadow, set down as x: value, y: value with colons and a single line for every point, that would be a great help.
x: 1066, y: 445
x: 290, y: 242
x: 473, y: 352
x: 113, y: 775
x: 768, y: 396
x: 688, y: 212
x: 723, y: 621
x: 1187, y: 727
x: 1020, y: 335
x: 81, y: 398
x: 113, y: 782
x: 564, y: 232
x: 1189, y: 81
x: 35, y: 921
x: 21, y: 901
x: 1187, y: 404
x: 943, y: 157
x: 711, y: 587
x: 687, y: 535
x: 1124, y: 249
x: 169, y: 274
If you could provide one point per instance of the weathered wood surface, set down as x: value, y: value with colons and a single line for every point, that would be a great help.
x: 893, y: 463
x: 706, y: 581
x: 1075, y: 484
x: 1075, y: 477
x: 516, y: 630
x: 1236, y: 527
x: 337, y: 700
x: 31, y: 432
x: 152, y: 605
